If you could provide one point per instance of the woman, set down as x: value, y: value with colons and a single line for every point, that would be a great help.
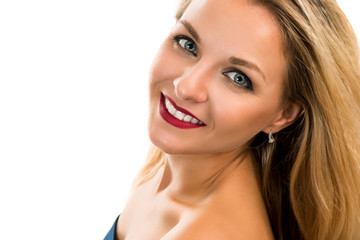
x: 254, y: 117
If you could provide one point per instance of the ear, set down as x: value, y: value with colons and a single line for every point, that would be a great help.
x: 286, y: 116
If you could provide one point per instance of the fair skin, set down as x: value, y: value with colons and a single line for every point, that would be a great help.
x: 228, y: 70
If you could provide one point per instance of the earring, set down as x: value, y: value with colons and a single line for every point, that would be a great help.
x: 271, y: 138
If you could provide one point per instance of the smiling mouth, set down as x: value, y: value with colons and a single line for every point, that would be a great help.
x: 177, y: 116
x: 180, y: 115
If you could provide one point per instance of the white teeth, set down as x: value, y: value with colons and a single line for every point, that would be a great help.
x: 172, y: 110
x: 195, y: 121
x: 167, y: 103
x: 179, y: 115
x: 187, y: 118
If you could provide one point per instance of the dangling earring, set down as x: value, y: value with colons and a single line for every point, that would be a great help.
x: 271, y: 138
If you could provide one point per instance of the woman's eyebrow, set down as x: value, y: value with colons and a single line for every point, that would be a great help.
x: 241, y: 62
x: 191, y: 30
x: 232, y: 60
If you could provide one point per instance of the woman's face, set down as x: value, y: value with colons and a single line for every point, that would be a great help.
x: 222, y: 68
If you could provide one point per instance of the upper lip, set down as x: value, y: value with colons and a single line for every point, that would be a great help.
x: 183, y: 110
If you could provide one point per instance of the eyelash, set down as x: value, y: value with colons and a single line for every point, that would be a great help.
x: 248, y: 84
x: 177, y: 40
x: 248, y: 87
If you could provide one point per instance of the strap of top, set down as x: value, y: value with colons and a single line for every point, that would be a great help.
x: 112, y: 233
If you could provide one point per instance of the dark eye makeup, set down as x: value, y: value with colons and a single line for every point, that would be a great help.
x: 238, y: 79
x: 187, y: 44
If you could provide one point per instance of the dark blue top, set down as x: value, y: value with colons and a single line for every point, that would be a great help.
x: 112, y: 233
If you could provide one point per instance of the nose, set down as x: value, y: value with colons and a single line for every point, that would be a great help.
x: 192, y: 84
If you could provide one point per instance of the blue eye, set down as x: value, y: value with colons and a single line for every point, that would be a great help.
x: 239, y: 79
x: 187, y: 44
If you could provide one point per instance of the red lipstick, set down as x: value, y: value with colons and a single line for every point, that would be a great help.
x: 173, y: 120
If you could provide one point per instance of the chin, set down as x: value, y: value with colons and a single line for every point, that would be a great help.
x: 164, y: 144
x: 168, y: 145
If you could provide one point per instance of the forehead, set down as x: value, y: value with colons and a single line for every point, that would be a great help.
x: 238, y: 27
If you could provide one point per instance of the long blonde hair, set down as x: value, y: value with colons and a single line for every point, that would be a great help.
x: 311, y: 175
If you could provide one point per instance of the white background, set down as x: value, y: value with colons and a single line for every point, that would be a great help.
x: 73, y: 110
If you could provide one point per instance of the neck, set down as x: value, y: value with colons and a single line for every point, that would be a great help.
x: 190, y: 179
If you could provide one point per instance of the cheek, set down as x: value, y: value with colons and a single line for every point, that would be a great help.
x: 163, y: 65
x: 245, y: 115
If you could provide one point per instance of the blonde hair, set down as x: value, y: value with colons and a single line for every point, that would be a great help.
x: 311, y: 175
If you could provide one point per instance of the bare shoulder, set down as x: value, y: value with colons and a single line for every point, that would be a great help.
x: 218, y: 227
